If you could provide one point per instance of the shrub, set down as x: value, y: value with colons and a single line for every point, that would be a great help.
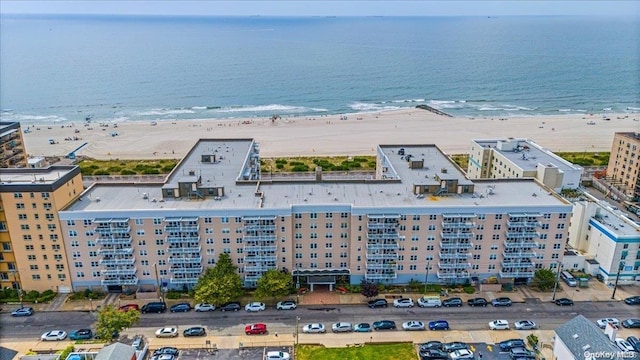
x: 173, y: 295
x: 101, y: 172
x: 65, y: 353
x: 114, y: 169
x: 280, y: 166
x: 369, y: 289
x: 150, y: 172
x: 469, y: 289
x: 127, y: 172
x: 281, y: 161
x: 433, y: 288
x: 297, y: 163
x: 167, y: 168
x: 300, y: 168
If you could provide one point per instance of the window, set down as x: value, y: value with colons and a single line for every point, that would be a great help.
x: 207, y: 220
x: 28, y: 247
x: 297, y: 216
x: 224, y: 220
x: 87, y: 222
x: 24, y: 227
x: 158, y: 231
x: 493, y: 256
x: 328, y: 255
x: 328, y: 246
x: 26, y: 237
x: 35, y: 277
x: 73, y: 233
x: 139, y: 222
x: 159, y: 242
x: 416, y: 217
x: 160, y: 252
x: 498, y: 216
x: 313, y: 215
x: 556, y: 246
x: 143, y: 252
x: 140, y: 232
x: 20, y: 206
x: 481, y: 216
x: 17, y: 195
x: 163, y: 272
x: 22, y: 216
x: 313, y: 255
x: 416, y: 227
x: 33, y: 267
x: 558, y: 236
x: 497, y: 227
x: 554, y: 256
x: 329, y: 215
x: 560, y: 226
x: 328, y: 225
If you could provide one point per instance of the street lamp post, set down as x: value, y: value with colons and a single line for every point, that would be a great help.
x: 297, y: 331
x: 555, y: 285
x: 426, y: 277
x: 615, y: 286
x: 155, y: 268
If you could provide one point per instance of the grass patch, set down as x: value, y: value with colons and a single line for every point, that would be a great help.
x: 90, y: 167
x: 462, y: 160
x: 306, y: 164
x: 366, y: 352
x: 583, y: 158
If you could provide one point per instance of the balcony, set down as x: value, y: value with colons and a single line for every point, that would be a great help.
x: 115, y: 251
x: 183, y: 239
x: 453, y: 265
x: 117, y: 261
x: 453, y: 274
x: 184, y: 250
x: 182, y: 228
x: 118, y: 272
x: 258, y: 268
x: 517, y: 265
x: 131, y: 281
x: 184, y: 280
x: 259, y: 227
x: 382, y: 246
x: 185, y: 260
x: 391, y: 265
x: 254, y: 240
x: 113, y: 230
x: 114, y: 241
x: 383, y: 217
x: 386, y: 255
x: 520, y: 244
x: 255, y: 248
x: 524, y: 224
x: 381, y: 275
x: 522, y: 234
x: 518, y: 254
x: 260, y: 257
x: 456, y: 244
x: 383, y: 236
x: 181, y: 270
x: 252, y: 278
x: 517, y: 274
x: 458, y: 225
x: 457, y: 235
x: 460, y: 255
x: 379, y: 225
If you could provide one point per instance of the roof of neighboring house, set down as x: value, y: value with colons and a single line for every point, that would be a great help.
x: 581, y: 335
x: 118, y: 351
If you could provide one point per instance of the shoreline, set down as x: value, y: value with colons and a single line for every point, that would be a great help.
x: 340, y: 134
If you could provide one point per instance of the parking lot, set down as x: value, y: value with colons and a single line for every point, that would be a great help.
x: 229, y: 354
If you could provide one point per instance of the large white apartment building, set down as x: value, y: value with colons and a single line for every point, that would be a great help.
x: 521, y: 158
x: 417, y: 216
x: 608, y: 239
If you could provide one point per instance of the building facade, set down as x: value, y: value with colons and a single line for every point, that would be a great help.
x: 12, y: 153
x: 623, y: 170
x: 418, y: 217
x: 33, y: 246
x: 521, y: 158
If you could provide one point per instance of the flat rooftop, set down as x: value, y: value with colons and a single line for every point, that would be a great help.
x: 527, y: 154
x: 617, y: 222
x: 24, y: 176
x: 281, y: 195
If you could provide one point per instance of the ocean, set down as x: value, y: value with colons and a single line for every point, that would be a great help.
x: 112, y: 68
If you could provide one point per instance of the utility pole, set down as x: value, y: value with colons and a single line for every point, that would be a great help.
x: 155, y: 268
x: 426, y: 277
x: 615, y: 286
x: 555, y: 285
x: 297, y: 331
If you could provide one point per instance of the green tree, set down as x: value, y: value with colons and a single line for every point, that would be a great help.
x: 274, y: 284
x: 112, y: 321
x: 219, y: 284
x: 544, y: 279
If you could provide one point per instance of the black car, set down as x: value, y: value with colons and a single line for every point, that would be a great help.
x: 232, y: 306
x: 454, y: 301
x: 378, y: 303
x: 477, y: 302
x: 631, y: 323
x: 433, y: 354
x: 167, y: 350
x: 453, y: 346
x: 633, y: 341
x: 182, y: 307
x: 384, y: 325
x: 431, y: 345
x: 633, y: 300
x: 510, y: 344
x: 564, y: 302
x: 195, y: 331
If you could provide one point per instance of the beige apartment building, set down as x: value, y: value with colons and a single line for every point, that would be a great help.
x: 32, y: 242
x: 416, y: 217
x: 623, y: 170
x: 12, y: 150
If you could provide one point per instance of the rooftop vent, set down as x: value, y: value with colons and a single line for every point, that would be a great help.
x: 575, y: 336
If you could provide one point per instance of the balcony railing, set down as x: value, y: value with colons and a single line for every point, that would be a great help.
x: 185, y: 260
x: 255, y: 239
x: 260, y: 257
x: 457, y: 235
x: 522, y: 234
x: 258, y: 268
x: 132, y: 281
x: 252, y: 248
x: 259, y: 227
x: 114, y: 240
x: 118, y: 272
x: 456, y: 244
x: 387, y: 246
x: 383, y: 236
x: 182, y: 228
x: 458, y: 225
x: 184, y: 250
x: 117, y: 261
x: 181, y: 270
x: 113, y: 230
x: 383, y: 216
x: 115, y: 251
x: 517, y: 274
x: 518, y: 254
x: 252, y: 277
x: 381, y: 276
x: 520, y: 244
x: 453, y: 275
x: 381, y: 266
x: 377, y: 225
x: 517, y: 265
x: 183, y: 239
x: 382, y: 256
x: 524, y: 224
x: 454, y: 265
x: 462, y: 255
x: 184, y: 280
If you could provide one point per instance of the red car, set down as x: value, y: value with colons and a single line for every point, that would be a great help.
x: 255, y: 329
x: 128, y: 307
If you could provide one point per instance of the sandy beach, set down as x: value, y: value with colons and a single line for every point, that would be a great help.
x: 351, y: 134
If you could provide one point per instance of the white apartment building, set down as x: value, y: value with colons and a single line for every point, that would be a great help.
x: 521, y: 158
x: 605, y: 235
x: 417, y: 216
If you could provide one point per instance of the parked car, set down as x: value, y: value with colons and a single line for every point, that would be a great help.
x: 501, y: 301
x: 154, y: 307
x: 362, y: 327
x: 564, y: 302
x: 499, y: 325
x: 438, y: 325
x: 633, y: 341
x: 168, y: 350
x: 461, y: 354
x: 521, y: 353
x: 403, y: 303
x: 166, y: 332
x: 477, y: 302
x: 314, y: 328
x: 633, y: 300
x: 378, y: 303
x: 631, y: 323
x: 128, y: 307
x: 138, y: 343
x: 511, y: 343
x: 163, y: 357
x: 181, y: 307
x: 286, y: 305
x: 114, y: 335
x: 453, y: 346
x: 81, y: 334
x: 194, y: 331
x: 277, y: 355
x: 232, y: 306
x: 202, y: 307
x: 623, y: 345
x: 255, y: 306
x: 341, y: 327
x: 602, y: 323
x: 454, y: 301
x: 384, y: 325
x: 433, y: 354
x: 24, y: 311
x: 54, y: 335
x: 253, y: 329
x: 413, y: 325
x: 431, y: 345
x: 429, y: 301
x: 525, y: 325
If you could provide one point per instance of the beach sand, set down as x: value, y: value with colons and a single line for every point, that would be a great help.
x: 358, y: 134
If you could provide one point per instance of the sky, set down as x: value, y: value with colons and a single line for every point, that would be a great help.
x: 323, y: 8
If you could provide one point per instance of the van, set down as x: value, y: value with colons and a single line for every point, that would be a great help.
x: 154, y: 307
x: 569, y: 279
x: 429, y: 301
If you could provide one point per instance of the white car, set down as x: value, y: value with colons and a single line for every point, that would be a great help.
x: 413, y: 325
x: 499, y: 325
x: 403, y: 303
x: 277, y: 355
x: 602, y: 323
x: 167, y: 332
x: 313, y: 329
x: 341, y: 327
x: 461, y: 354
x: 54, y: 335
x: 255, y: 306
x: 205, y: 307
x: 525, y: 325
x: 429, y: 301
x: 624, y: 345
x: 286, y: 305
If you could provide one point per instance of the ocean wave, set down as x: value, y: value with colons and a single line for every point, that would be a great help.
x: 36, y: 118
x: 199, y: 107
x: 564, y: 110
x: 364, y: 107
x: 268, y: 108
x: 489, y: 108
x: 633, y: 108
x: 607, y: 109
x: 164, y: 112
x: 406, y: 101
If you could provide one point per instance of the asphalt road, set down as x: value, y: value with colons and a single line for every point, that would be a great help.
x: 547, y: 315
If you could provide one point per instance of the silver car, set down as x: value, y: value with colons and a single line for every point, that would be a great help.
x: 525, y: 325
x: 314, y: 329
x: 341, y: 327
